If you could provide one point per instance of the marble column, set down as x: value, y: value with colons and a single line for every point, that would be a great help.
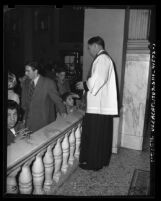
x: 136, y: 80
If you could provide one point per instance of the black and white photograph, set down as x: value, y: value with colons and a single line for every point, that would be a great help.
x: 79, y: 116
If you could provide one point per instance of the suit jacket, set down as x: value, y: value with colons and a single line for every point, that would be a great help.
x: 10, y: 136
x: 63, y: 87
x: 41, y: 110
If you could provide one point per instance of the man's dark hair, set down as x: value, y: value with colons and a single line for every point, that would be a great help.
x: 13, y: 105
x: 34, y: 65
x: 60, y: 69
x: 98, y: 40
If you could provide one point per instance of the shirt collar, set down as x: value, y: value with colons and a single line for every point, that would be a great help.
x: 100, y: 51
x: 13, y: 131
x: 36, y: 80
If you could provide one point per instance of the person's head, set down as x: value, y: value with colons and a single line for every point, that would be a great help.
x: 68, y: 99
x: 61, y: 73
x: 95, y: 44
x: 32, y: 69
x: 13, y: 113
x: 12, y: 82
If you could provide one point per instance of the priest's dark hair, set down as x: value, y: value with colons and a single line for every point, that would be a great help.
x: 98, y: 40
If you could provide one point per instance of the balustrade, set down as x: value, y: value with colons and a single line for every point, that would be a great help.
x: 49, y: 167
x: 25, y: 179
x: 47, y: 156
x: 58, y: 161
x: 77, y: 136
x: 72, y: 147
x: 65, y: 147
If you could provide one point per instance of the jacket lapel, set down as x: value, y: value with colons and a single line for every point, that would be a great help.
x: 38, y: 86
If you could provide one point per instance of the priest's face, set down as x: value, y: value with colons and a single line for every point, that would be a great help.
x: 92, y: 49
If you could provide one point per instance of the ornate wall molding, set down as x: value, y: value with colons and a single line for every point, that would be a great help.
x: 138, y: 46
x: 138, y: 32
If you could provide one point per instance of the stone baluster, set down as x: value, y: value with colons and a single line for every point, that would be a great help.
x: 72, y: 146
x: 49, y: 167
x: 58, y: 160
x: 12, y: 186
x: 77, y: 136
x: 65, y: 147
x: 25, y: 179
x: 38, y: 174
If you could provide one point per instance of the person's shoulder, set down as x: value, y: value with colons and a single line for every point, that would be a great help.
x: 104, y: 58
x: 48, y: 81
x: 51, y: 80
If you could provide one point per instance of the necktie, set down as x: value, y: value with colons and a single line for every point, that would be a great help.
x: 31, y: 89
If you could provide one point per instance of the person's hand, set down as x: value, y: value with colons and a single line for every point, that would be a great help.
x: 23, y: 133
x: 63, y: 115
x: 73, y: 95
x: 79, y: 85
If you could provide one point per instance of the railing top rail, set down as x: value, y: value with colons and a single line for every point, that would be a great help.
x: 24, y: 150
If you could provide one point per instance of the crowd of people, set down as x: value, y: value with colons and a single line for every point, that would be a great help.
x: 43, y: 98
x: 40, y: 101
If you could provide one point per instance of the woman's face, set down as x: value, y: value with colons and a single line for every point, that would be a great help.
x: 12, y: 118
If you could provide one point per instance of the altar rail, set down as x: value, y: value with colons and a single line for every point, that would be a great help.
x: 36, y: 164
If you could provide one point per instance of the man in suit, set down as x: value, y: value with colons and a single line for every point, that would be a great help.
x: 39, y: 103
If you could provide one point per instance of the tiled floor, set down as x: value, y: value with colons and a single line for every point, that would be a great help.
x: 113, y: 180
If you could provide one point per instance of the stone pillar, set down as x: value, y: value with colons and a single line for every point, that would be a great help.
x: 135, y: 80
x: 49, y: 167
x: 78, y: 139
x: 12, y: 186
x: 57, y: 152
x: 38, y: 175
x: 25, y: 180
x: 65, y: 148
x: 72, y: 146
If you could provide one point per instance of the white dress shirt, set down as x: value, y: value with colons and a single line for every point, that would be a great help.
x: 36, y: 80
x: 13, y: 131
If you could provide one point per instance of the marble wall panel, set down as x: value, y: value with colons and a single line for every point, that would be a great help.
x: 134, y: 100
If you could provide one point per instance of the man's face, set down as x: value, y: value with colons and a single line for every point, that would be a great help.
x: 92, y: 49
x: 30, y: 73
x: 12, y: 118
x: 61, y: 76
x: 70, y: 101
